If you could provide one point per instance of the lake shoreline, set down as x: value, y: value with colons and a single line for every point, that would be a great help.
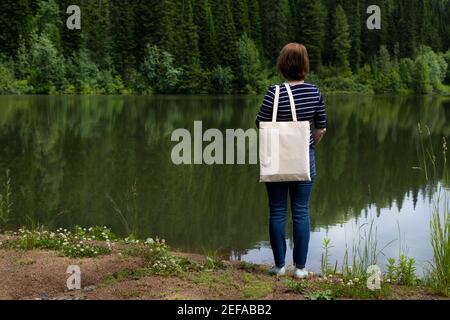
x: 131, y: 271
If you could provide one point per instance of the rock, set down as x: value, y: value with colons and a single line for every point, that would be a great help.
x: 89, y: 288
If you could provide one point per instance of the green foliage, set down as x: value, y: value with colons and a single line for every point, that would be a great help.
x: 325, y: 266
x: 341, y: 43
x: 320, y: 295
x: 6, y: 201
x: 311, y: 29
x: 402, y: 273
x: 275, y: 21
x: 47, y: 65
x: 75, y: 244
x: 250, y: 77
x: 110, y: 53
x: 158, y: 72
x: 8, y: 82
x: 422, y: 83
x: 83, y: 73
x: 214, y: 261
x: 446, y: 56
x: 247, y: 266
x: 222, y: 79
x: 297, y: 287
x: 15, y: 20
x: 439, y: 275
x: 436, y: 66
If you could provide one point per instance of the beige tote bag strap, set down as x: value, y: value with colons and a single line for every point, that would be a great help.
x: 275, y: 103
x: 292, y: 102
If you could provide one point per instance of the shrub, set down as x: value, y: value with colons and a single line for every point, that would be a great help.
x: 158, y: 71
x: 250, y: 78
x: 221, y: 79
x: 47, y: 65
x: 436, y: 64
x: 422, y: 83
x: 83, y: 73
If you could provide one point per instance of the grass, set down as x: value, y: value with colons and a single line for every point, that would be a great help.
x: 438, y: 277
x: 439, y: 274
x: 254, y: 287
x: 77, y: 243
x: 6, y: 201
x: 320, y: 295
x: 297, y: 287
x: 129, y: 214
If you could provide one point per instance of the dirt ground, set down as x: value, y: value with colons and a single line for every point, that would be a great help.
x: 41, y: 275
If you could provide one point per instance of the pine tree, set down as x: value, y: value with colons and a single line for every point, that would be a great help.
x: 254, y: 14
x: 203, y: 19
x: 122, y: 13
x: 371, y: 40
x: 407, y: 23
x: 149, y: 28
x: 96, y: 31
x: 341, y: 43
x: 275, y: 15
x: 353, y: 11
x: 71, y: 40
x: 240, y: 16
x: 188, y: 43
x: 312, y: 30
x: 15, y: 18
x: 226, y: 33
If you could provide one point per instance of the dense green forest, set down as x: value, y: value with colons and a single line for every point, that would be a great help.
x: 226, y: 46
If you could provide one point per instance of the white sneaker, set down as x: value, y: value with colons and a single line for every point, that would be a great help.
x: 301, y: 273
x: 277, y: 271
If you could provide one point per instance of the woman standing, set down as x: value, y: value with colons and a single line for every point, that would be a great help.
x: 293, y: 63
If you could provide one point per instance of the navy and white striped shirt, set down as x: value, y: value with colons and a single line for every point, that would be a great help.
x: 309, y: 104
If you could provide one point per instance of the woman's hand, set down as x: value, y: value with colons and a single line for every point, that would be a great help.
x: 318, y: 134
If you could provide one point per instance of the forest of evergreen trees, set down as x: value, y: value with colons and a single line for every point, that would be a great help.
x: 220, y: 46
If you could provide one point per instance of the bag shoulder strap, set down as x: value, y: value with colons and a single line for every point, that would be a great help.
x: 292, y: 102
x: 275, y: 103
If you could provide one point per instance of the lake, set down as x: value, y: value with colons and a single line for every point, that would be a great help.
x: 106, y: 160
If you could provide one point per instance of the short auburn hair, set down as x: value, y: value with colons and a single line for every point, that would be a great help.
x: 293, y: 62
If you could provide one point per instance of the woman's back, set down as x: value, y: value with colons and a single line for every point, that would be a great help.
x: 309, y: 105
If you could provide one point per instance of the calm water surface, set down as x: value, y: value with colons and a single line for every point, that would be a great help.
x: 106, y: 161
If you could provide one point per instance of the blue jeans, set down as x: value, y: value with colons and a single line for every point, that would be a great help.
x: 299, y: 194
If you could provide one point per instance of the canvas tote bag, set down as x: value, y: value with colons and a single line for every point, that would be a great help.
x: 284, y: 146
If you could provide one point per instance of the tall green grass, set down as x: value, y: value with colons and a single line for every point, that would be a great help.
x: 365, y: 252
x: 438, y: 277
x: 128, y: 212
x: 6, y: 201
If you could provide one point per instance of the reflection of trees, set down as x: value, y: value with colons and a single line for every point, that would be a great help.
x: 67, y: 153
x: 369, y: 152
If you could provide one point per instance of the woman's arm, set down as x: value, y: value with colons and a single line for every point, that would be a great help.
x: 320, y: 120
x: 318, y: 134
x: 265, y: 112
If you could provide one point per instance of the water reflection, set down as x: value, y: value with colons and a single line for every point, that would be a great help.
x: 69, y: 155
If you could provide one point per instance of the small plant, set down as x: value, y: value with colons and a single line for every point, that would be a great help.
x: 365, y: 252
x: 70, y: 244
x: 296, y: 286
x: 214, y: 261
x: 325, y: 264
x: 94, y: 233
x: 320, y: 295
x: 247, y: 266
x: 129, y: 215
x: 6, y: 201
x: 439, y: 275
x: 403, y: 272
x: 406, y: 271
x: 391, y: 270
